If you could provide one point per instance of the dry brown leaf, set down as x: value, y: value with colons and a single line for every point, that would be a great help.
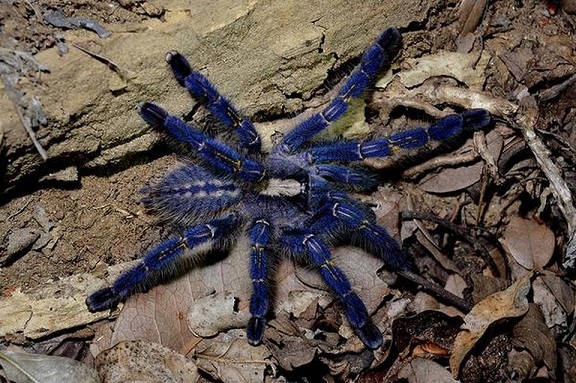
x: 470, y: 14
x: 454, y: 179
x: 421, y: 370
x: 554, y: 315
x: 215, y: 313
x: 509, y: 303
x: 518, y: 62
x: 142, y: 361
x: 484, y: 285
x: 530, y: 244
x: 289, y: 350
x: 229, y: 358
x: 57, y: 305
x: 20, y: 367
x: 348, y: 365
x: 561, y: 290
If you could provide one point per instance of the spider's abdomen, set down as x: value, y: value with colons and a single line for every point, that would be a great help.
x: 189, y: 195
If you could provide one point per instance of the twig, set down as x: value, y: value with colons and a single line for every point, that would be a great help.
x: 36, y: 10
x: 448, y: 160
x: 15, y: 103
x: 440, y: 292
x: 123, y: 73
x: 526, y: 123
x: 555, y: 90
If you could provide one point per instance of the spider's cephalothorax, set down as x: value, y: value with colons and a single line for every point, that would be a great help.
x: 293, y: 201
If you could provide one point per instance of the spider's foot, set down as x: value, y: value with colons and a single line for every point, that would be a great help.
x: 476, y: 119
x: 101, y: 300
x: 370, y: 335
x: 391, y: 41
x: 152, y: 113
x: 180, y: 66
x: 255, y: 330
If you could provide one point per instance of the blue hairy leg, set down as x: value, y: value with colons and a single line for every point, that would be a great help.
x: 319, y: 255
x: 159, y: 260
x: 348, y: 178
x: 259, y: 267
x: 218, y: 156
x: 374, y: 59
x: 444, y: 129
x: 202, y: 90
x: 360, y: 223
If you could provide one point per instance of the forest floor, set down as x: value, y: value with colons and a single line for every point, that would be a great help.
x: 491, y: 221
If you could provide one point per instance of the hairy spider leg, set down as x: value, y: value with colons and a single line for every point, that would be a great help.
x: 259, y: 235
x: 157, y: 261
x: 203, y: 91
x: 345, y: 177
x: 374, y: 59
x: 335, y: 278
x: 218, y: 156
x: 444, y: 129
x: 337, y: 209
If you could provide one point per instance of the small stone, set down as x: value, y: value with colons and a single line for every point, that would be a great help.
x: 152, y: 9
x: 19, y: 241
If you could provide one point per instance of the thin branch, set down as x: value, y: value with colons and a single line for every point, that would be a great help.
x: 15, y: 103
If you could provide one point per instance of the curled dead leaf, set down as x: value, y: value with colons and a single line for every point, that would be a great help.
x: 509, y: 303
x: 215, y: 313
x: 471, y: 12
x: 24, y: 367
x: 421, y: 370
x: 229, y: 358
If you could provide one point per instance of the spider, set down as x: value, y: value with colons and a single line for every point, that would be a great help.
x: 294, y: 201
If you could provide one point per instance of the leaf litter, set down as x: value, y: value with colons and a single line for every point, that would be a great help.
x: 507, y: 333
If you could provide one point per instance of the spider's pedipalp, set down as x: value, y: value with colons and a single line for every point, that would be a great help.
x: 157, y: 262
x: 259, y: 235
x: 377, y: 57
x: 217, y: 155
x: 202, y: 90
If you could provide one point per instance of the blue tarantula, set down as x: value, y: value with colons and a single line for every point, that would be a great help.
x: 293, y: 201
